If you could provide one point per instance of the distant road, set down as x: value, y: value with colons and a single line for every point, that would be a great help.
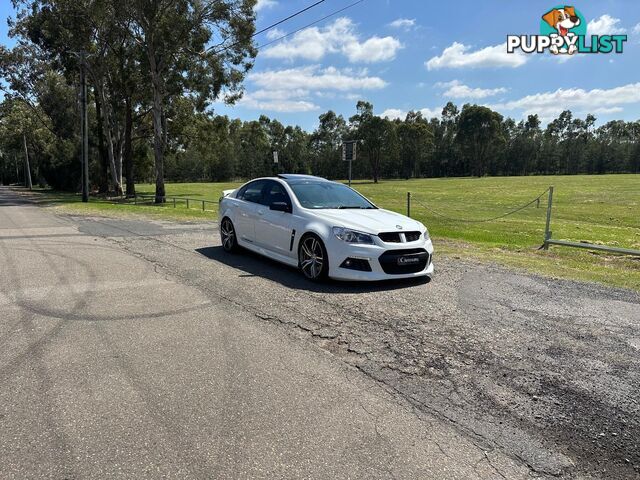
x: 138, y: 349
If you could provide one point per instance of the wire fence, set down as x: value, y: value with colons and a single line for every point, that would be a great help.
x: 536, y: 200
x: 170, y: 201
x: 547, y: 241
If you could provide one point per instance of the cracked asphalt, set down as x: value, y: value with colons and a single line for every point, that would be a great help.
x: 133, y: 348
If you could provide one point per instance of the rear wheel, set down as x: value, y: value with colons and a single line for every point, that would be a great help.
x: 312, y: 258
x: 228, y: 235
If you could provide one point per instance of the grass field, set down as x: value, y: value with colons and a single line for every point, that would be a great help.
x: 596, y: 209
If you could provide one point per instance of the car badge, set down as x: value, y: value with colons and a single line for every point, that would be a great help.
x: 399, y: 227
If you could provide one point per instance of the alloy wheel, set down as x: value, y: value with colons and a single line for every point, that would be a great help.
x: 312, y: 258
x: 228, y: 235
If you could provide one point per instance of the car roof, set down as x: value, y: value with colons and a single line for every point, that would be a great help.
x: 292, y: 178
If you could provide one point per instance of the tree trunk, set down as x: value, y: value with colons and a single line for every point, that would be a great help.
x: 27, y: 168
x: 128, y: 149
x: 103, y: 179
x: 106, y: 123
x: 157, y: 113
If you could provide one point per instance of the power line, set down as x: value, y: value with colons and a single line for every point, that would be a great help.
x: 273, y: 25
x: 288, y: 18
x: 310, y: 24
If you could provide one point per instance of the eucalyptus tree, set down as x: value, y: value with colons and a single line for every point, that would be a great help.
x: 325, y: 144
x: 415, y: 140
x: 375, y: 134
x: 479, y: 134
x: 74, y: 34
x: 199, y: 48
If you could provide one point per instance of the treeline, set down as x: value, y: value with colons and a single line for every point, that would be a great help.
x: 148, y: 63
x: 153, y: 76
x: 473, y: 141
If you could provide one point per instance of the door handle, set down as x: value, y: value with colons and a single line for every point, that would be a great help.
x: 261, y: 212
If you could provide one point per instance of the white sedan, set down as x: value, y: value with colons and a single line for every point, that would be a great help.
x: 324, y: 228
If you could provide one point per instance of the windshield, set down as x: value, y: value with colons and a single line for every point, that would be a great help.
x: 328, y: 195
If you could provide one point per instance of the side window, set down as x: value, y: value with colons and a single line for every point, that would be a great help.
x: 252, y: 192
x: 275, y: 192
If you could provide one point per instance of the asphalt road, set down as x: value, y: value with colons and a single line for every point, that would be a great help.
x: 138, y: 349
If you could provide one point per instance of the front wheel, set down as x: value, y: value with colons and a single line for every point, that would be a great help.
x: 313, y: 258
x: 228, y: 236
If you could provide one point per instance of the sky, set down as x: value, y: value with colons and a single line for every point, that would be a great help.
x: 403, y: 55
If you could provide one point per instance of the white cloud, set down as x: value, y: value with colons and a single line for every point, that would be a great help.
x: 405, y: 23
x: 289, y: 100
x: 636, y: 29
x: 262, y: 4
x: 550, y: 104
x: 393, y: 113
x: 275, y: 33
x: 456, y: 89
x: 338, y: 37
x: 605, y: 25
x: 396, y: 113
x: 458, y: 55
x: 312, y: 77
x: 375, y: 49
x: 281, y: 106
x: 293, y: 89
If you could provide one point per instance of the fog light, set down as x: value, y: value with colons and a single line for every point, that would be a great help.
x: 359, y: 264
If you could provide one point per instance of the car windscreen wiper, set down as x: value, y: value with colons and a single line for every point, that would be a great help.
x: 355, y: 207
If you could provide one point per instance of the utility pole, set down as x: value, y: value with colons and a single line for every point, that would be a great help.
x: 27, y: 170
x: 84, y: 128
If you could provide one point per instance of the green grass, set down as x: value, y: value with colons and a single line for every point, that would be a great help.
x: 595, y: 209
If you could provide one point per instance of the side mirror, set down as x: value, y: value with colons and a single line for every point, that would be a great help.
x: 280, y: 207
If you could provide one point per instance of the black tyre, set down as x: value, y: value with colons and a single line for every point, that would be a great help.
x: 228, y: 235
x: 312, y: 258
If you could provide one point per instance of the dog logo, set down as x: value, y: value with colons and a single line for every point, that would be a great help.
x: 563, y: 31
x: 563, y: 20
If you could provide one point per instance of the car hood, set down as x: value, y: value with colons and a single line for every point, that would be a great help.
x: 368, y: 221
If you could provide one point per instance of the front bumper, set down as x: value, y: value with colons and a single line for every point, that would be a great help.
x: 338, y: 251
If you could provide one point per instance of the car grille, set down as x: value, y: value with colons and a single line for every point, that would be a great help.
x: 394, y: 237
x: 416, y: 260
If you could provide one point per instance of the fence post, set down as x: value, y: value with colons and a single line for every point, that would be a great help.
x: 409, y: 204
x: 174, y: 202
x: 547, y: 229
x: 187, y: 204
x: 203, y: 205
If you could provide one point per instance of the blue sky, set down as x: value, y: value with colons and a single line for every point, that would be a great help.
x: 416, y: 55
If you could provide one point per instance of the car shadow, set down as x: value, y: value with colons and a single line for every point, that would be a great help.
x: 257, y: 265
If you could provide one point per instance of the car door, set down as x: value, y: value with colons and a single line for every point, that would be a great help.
x: 250, y: 198
x: 273, y: 228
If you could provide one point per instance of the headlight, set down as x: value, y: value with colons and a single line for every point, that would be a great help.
x: 426, y: 232
x: 351, y: 236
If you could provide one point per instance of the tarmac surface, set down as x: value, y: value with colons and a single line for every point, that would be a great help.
x: 139, y: 349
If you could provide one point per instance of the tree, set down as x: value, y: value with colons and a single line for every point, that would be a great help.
x: 415, y: 140
x: 326, y: 144
x: 174, y: 35
x: 374, y: 133
x: 479, y: 133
